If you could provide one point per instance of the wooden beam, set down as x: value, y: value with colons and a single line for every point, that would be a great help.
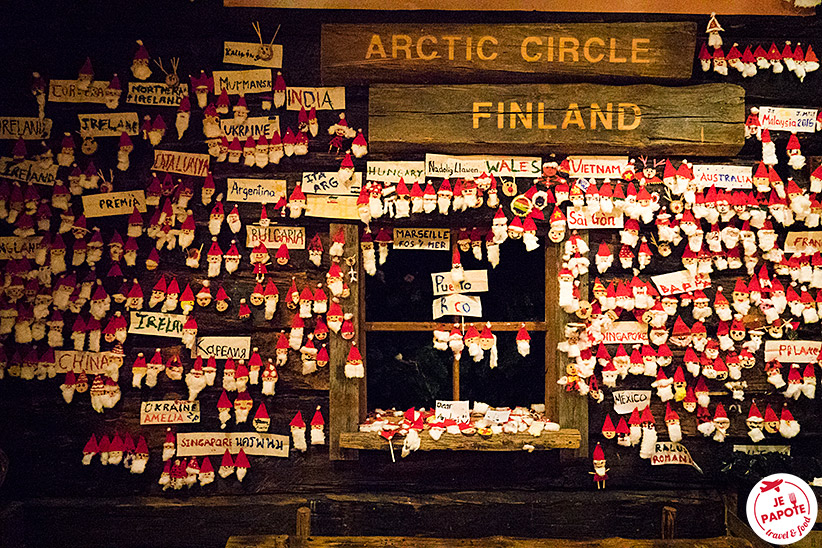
x: 455, y: 380
x: 704, y: 120
x: 344, y: 393
x: 563, y: 439
x: 551, y: 335
x: 460, y: 53
x: 431, y: 326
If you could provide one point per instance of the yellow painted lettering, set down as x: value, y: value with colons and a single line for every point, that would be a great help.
x: 451, y: 40
x: 605, y: 118
x: 613, y: 56
x: 405, y: 45
x: 550, y: 49
x: 637, y: 113
x: 468, y: 46
x: 420, y: 42
x: 573, y: 116
x: 481, y: 53
x: 524, y: 48
x: 526, y: 118
x: 568, y: 44
x: 636, y: 50
x: 500, y: 115
x: 541, y: 117
x: 478, y: 114
x: 375, y: 47
x: 586, y: 49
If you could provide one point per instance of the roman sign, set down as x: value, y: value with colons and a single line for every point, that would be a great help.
x: 331, y: 206
x: 584, y: 219
x: 704, y: 120
x: 155, y: 94
x: 107, y: 204
x: 505, y: 53
x: 86, y: 362
x: 327, y: 182
x: 169, y: 412
x: 724, y: 176
x: 318, y: 98
x: 801, y: 120
x: 803, y: 242
x: 252, y: 127
x: 681, y: 281
x: 627, y: 333
x: 598, y: 167
x: 668, y: 452
x: 430, y: 239
x: 13, y: 247
x: 454, y: 410
x: 109, y: 124
x: 457, y: 305
x: 15, y: 127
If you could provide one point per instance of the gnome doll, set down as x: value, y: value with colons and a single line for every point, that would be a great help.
x: 226, y: 465
x: 721, y: 423
x: 354, y: 368
x: 664, y: 386
x: 261, y: 420
x: 154, y: 367
x: 269, y: 378
x: 788, y: 426
x: 672, y: 422
x: 195, y: 379
x: 140, y: 458
x: 298, y: 432
x: 224, y: 407
x: 317, y: 428
x: 242, y: 406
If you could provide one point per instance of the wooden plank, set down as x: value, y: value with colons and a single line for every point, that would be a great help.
x: 508, y: 542
x: 455, y: 53
x: 704, y: 120
x: 564, y: 439
x: 344, y: 393
x: 430, y: 326
x: 732, y: 7
x: 258, y: 541
x: 552, y: 335
x: 739, y: 529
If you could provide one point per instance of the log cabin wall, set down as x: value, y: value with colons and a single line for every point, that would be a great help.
x: 48, y: 494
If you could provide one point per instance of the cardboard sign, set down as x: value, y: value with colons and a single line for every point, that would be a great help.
x: 680, y: 282
x: 170, y: 412
x: 627, y: 333
x: 327, y: 182
x: 66, y: 91
x: 803, y: 242
x: 724, y: 176
x: 114, y: 203
x: 792, y: 351
x: 391, y: 172
x: 438, y: 165
x: 273, y: 236
x: 109, y: 124
x: 156, y: 324
x: 331, y: 207
x: 318, y: 98
x: 598, y: 167
x: 242, y: 82
x: 800, y: 120
x: 215, y: 443
x: 626, y: 400
x: 581, y: 218
x: 262, y: 125
x: 155, y: 94
x: 455, y: 410
x: 93, y: 363
x: 28, y: 171
x: 15, y: 127
x: 12, y: 247
x: 260, y: 191
x: 703, y: 120
x: 668, y: 452
x: 762, y: 449
x: 476, y: 281
x: 429, y: 239
x: 222, y: 348
x: 499, y: 416
x: 184, y: 163
x: 457, y: 305
x: 247, y: 53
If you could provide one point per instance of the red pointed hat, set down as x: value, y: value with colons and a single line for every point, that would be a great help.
x: 297, y: 421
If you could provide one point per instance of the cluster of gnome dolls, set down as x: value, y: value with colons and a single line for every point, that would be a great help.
x: 86, y: 279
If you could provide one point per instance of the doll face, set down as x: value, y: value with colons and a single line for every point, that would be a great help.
x: 753, y: 423
x: 222, y: 306
x: 676, y: 206
x: 556, y: 234
x: 256, y: 299
x: 772, y: 427
x: 775, y: 331
x: 690, y: 406
x: 89, y: 145
x: 204, y: 299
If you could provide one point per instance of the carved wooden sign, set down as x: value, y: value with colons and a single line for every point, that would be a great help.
x: 453, y: 53
x: 704, y: 120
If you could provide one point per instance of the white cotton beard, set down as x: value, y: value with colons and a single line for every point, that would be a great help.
x: 492, y: 251
x: 68, y: 392
x: 375, y: 207
x: 794, y: 390
x: 769, y: 154
x: 566, y: 293
x: 195, y: 385
x: 796, y: 161
x: 649, y: 437
x: 369, y: 261
x: 756, y: 435
x: 604, y: 263
x: 788, y: 429
x: 354, y: 370
x: 628, y: 238
x: 295, y: 337
x: 636, y: 434
x: 524, y: 347
x: 214, y: 268
x: 181, y: 123
x: 665, y: 393
x: 443, y: 204
x: 706, y: 428
x: 674, y: 432
x: 776, y: 380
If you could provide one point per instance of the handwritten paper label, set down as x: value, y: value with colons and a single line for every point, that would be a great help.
x: 429, y: 239
x: 476, y: 281
x: 680, y: 282
x: 242, y: 82
x: 724, y: 176
x: 455, y: 410
x: 331, y: 206
x: 109, y: 124
x: 248, y: 53
x: 253, y: 127
x: 273, y: 236
x: 762, y: 449
x: 318, y: 98
x: 457, y: 305
x: 627, y: 333
x: 155, y: 94
x: 391, y: 172
x: 12, y: 247
x: 260, y: 191
x: 215, y: 443
x: 28, y: 171
x: 626, y: 400
x: 184, y: 163
x: 583, y: 219
x: 157, y: 324
x: 66, y: 91
x: 803, y: 242
x: 792, y: 351
x: 114, y: 203
x: 87, y: 362
x: 801, y: 120
x: 15, y: 127
x: 170, y: 412
x: 598, y: 167
x: 668, y: 452
x: 327, y: 182
x: 222, y: 348
x: 499, y: 416
x: 439, y: 165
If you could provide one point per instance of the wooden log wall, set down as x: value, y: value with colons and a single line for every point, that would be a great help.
x: 44, y: 438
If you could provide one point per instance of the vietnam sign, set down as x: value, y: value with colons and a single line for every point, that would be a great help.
x: 582, y: 218
x: 704, y: 120
x: 505, y: 53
